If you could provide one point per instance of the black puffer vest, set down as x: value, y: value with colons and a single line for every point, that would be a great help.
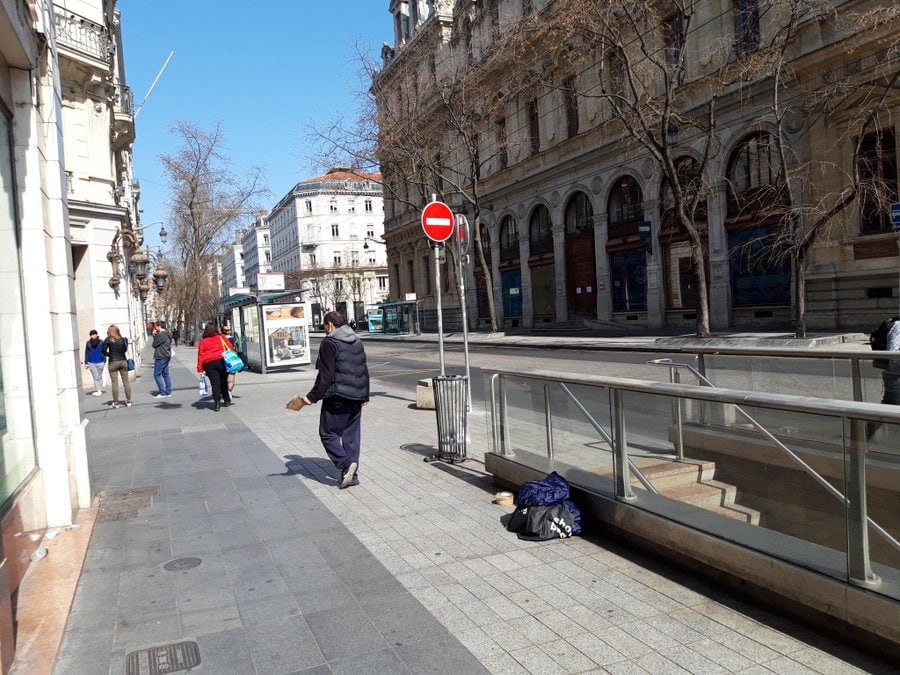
x: 351, y: 376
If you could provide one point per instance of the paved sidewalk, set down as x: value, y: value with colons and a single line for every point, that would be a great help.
x: 408, y: 572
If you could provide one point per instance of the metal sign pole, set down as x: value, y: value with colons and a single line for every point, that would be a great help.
x: 462, y: 243
x: 440, y: 313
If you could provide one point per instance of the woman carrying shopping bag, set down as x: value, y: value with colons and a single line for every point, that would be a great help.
x: 115, y: 349
x: 211, y: 360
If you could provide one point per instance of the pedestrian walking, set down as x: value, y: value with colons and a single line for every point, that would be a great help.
x: 94, y: 361
x: 342, y: 384
x: 175, y: 336
x: 115, y: 349
x: 162, y: 355
x: 209, y: 361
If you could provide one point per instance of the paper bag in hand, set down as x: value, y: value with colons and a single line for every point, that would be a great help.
x: 296, y: 403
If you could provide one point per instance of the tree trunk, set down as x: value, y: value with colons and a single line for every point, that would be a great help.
x: 699, y: 264
x: 488, y: 279
x: 798, y: 265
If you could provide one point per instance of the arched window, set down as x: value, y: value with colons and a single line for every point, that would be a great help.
x: 754, y: 177
x: 579, y: 214
x: 540, y: 232
x: 509, y: 239
x: 624, y: 209
x: 691, y: 183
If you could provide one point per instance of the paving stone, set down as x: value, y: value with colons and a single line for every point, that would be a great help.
x: 227, y: 651
x: 344, y: 632
x: 404, y: 563
x: 282, y: 645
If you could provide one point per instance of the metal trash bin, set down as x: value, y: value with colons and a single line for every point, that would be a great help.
x: 450, y: 397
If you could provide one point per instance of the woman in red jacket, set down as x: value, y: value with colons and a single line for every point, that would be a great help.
x: 209, y: 360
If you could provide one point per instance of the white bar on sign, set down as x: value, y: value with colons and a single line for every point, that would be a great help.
x: 438, y: 221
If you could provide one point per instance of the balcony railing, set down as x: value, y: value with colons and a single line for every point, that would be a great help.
x: 83, y: 35
x: 124, y: 102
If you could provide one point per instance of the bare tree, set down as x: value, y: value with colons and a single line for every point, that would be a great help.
x: 430, y: 133
x: 206, y: 201
x: 638, y: 50
x: 811, y: 200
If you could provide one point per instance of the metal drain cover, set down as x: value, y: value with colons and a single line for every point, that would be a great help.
x: 165, y: 659
x: 181, y: 564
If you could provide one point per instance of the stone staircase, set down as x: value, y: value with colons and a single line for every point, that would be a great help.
x: 559, y: 327
x: 692, y: 482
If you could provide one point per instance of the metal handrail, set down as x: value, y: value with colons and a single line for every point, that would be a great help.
x: 812, y: 473
x: 786, y: 402
x: 606, y: 437
x: 853, y: 412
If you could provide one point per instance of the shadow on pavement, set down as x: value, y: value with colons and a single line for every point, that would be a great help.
x: 319, y: 469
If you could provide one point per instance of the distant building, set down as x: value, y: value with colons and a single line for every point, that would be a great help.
x: 257, y: 251
x: 326, y: 237
x: 232, y: 261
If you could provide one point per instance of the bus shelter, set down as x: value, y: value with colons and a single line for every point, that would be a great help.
x: 399, y: 318
x: 269, y: 331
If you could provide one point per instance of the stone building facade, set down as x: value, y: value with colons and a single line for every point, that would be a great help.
x: 68, y: 226
x: 326, y: 238
x: 576, y: 218
x: 257, y: 251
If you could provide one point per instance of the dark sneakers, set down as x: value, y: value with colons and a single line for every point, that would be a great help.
x: 349, y: 476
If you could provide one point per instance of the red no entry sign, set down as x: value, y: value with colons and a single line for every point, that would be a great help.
x: 437, y: 221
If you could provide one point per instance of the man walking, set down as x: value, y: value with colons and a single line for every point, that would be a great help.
x: 162, y: 354
x: 342, y: 384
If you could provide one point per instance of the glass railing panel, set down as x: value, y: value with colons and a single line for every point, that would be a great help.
x: 882, y: 484
x: 737, y: 482
x: 820, y: 378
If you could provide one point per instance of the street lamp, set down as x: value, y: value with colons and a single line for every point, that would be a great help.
x: 373, y: 239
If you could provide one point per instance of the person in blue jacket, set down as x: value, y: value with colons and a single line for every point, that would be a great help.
x: 95, y: 361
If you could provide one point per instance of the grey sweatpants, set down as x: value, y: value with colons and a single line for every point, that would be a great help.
x: 97, y: 373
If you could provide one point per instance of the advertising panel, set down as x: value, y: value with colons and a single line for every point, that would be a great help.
x: 270, y: 281
x: 250, y: 344
x: 286, y: 331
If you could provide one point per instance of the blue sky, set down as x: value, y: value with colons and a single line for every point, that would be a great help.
x: 263, y: 69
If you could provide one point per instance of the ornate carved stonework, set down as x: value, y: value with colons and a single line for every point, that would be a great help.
x: 597, y: 185
x: 554, y: 198
x: 647, y: 168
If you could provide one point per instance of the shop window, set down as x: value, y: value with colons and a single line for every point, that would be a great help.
x: 579, y: 214
x: 17, y: 456
x: 628, y: 274
x: 878, y: 181
x: 758, y: 275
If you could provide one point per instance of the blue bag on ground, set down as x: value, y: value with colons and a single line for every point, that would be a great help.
x: 552, y: 489
x: 544, y: 511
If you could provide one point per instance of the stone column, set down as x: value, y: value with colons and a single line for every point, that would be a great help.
x: 497, y: 289
x: 604, y: 283
x: 719, y: 264
x: 559, y: 264
x: 656, y: 290
x: 525, y: 268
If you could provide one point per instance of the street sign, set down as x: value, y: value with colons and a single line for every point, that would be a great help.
x: 895, y: 216
x: 437, y: 221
